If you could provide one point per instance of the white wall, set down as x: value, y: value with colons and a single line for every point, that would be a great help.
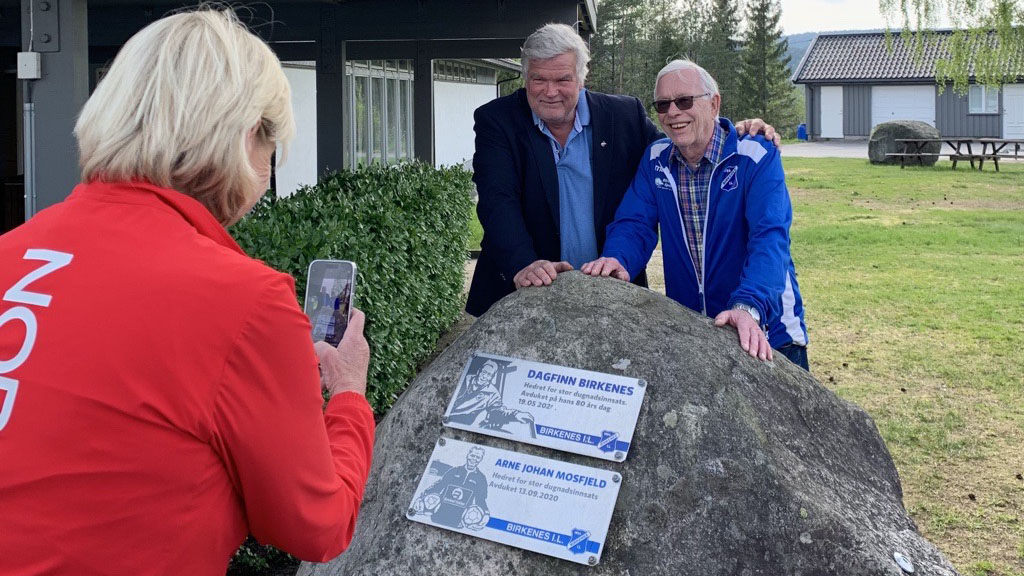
x: 454, y: 104
x: 300, y: 167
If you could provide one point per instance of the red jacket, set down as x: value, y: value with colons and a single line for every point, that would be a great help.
x: 160, y: 397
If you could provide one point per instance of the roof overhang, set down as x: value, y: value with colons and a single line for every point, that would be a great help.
x: 588, y: 16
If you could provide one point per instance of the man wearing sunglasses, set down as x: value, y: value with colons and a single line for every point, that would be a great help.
x: 552, y: 163
x: 724, y: 213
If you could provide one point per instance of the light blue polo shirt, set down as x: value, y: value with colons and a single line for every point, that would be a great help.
x: 575, y: 187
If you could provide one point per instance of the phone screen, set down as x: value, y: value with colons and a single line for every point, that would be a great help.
x: 330, y: 288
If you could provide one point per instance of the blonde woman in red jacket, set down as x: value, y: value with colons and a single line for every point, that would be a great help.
x: 159, y: 388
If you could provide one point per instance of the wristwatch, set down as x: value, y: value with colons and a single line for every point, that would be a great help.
x: 750, y: 310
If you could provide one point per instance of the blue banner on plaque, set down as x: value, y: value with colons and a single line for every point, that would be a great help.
x: 567, y: 409
x: 546, y: 506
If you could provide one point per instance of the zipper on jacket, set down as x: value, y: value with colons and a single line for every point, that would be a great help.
x: 667, y: 171
x: 704, y: 236
x: 703, y: 257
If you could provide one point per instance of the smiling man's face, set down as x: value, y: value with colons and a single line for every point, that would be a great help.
x: 553, y: 89
x: 690, y: 130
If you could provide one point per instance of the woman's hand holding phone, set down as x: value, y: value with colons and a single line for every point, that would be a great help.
x: 343, y: 369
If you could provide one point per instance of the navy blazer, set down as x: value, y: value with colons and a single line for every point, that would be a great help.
x: 517, y: 183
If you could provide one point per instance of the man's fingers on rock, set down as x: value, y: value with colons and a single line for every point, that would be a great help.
x: 763, y: 349
x: 563, y: 266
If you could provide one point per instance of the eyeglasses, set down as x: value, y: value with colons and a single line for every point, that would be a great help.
x: 682, y: 102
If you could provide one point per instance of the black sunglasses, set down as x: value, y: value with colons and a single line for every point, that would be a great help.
x: 682, y: 102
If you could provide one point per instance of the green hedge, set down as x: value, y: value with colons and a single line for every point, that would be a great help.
x: 406, y: 228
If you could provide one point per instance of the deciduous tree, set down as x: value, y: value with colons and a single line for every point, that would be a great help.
x: 988, y: 43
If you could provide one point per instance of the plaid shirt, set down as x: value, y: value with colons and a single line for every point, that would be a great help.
x: 694, y: 187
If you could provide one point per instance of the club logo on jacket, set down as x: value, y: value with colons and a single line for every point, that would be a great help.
x: 730, y: 181
x: 663, y: 183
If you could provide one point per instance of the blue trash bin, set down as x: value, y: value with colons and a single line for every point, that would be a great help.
x: 801, y: 131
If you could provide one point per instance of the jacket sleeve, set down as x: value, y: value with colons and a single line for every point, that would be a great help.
x: 300, y: 472
x: 769, y: 214
x: 500, y: 208
x: 633, y: 235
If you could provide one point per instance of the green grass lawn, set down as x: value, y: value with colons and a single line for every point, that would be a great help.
x: 476, y: 232
x: 913, y: 282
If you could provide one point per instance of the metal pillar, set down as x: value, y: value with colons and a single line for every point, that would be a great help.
x: 58, y: 30
x: 330, y: 95
x: 423, y: 107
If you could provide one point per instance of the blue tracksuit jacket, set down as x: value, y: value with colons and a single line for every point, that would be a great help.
x: 746, y: 235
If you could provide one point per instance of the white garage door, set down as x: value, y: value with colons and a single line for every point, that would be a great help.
x: 902, y: 103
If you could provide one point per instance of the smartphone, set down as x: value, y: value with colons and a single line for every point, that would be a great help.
x: 330, y: 295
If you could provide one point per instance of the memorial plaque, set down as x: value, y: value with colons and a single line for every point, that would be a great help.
x: 568, y: 409
x: 546, y: 506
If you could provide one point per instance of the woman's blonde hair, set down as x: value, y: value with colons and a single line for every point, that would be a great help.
x: 177, y: 105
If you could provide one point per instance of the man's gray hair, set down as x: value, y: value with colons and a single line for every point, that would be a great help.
x: 553, y: 40
x: 710, y: 86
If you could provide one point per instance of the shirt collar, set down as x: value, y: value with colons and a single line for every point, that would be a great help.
x: 713, y: 152
x: 166, y: 199
x: 582, y: 115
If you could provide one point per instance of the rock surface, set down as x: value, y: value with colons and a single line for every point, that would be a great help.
x: 738, y: 467
x: 883, y: 141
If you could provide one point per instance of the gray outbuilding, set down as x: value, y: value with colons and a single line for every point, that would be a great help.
x: 854, y: 81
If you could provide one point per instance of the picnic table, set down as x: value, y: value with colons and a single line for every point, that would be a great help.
x: 963, y: 150
x: 997, y: 148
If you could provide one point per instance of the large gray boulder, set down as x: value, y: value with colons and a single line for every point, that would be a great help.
x: 738, y: 467
x: 883, y: 141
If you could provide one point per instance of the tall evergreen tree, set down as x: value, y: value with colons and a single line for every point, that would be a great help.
x: 765, y: 90
x: 692, y: 33
x: 629, y: 46
x: 721, y: 53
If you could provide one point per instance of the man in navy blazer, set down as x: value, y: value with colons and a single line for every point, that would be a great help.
x: 552, y: 163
